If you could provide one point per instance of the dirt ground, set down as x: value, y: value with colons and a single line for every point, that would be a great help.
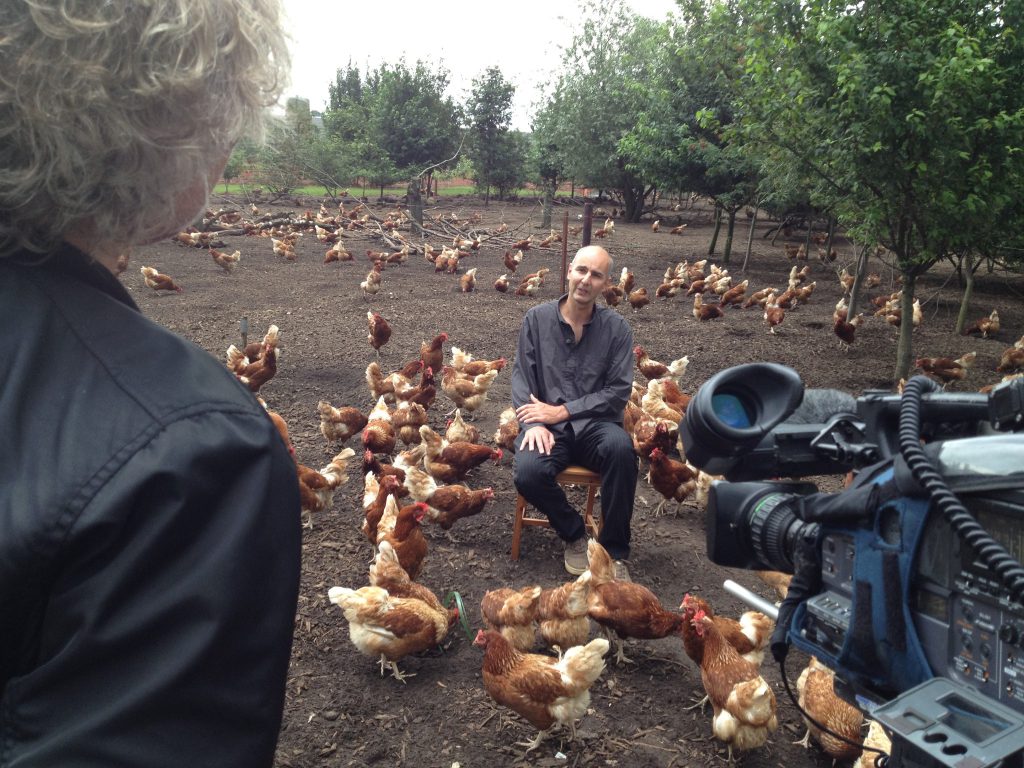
x: 340, y: 711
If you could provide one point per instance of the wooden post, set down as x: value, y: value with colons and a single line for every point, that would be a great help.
x: 244, y: 327
x: 565, y: 249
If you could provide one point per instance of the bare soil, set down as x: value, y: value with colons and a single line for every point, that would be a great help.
x: 340, y: 711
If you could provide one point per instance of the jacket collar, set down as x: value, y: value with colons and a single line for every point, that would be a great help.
x: 69, y: 260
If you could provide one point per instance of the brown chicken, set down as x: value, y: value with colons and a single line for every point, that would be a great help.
x: 407, y: 419
x: 337, y: 425
x: 337, y: 252
x: 401, y: 528
x: 512, y: 261
x: 371, y: 285
x: 512, y: 612
x: 626, y: 281
x: 946, y: 369
x: 226, y: 261
x: 638, y: 299
x: 562, y: 613
x: 379, y: 331
x: 387, y: 573
x: 501, y: 284
x: 446, y: 504
x: 467, y: 392
x: 622, y: 608
x: 376, y: 493
x: 774, y: 314
x: 451, y: 462
x: 394, y: 382
x: 778, y: 581
x: 816, y: 695
x: 749, y: 635
x: 423, y: 393
x: 1011, y: 360
x: 390, y: 628
x: 845, y: 330
x: 261, y: 370
x: 508, y: 429
x: 543, y: 690
x: 458, y: 431
x: 674, y: 480
x: 668, y: 390
x: 467, y: 283
x: 759, y: 298
x: 985, y: 327
x: 408, y: 458
x: 432, y: 352
x: 159, y: 281
x: 612, y: 295
x: 653, y: 369
x: 464, y: 363
x: 743, y: 703
x: 316, y: 489
x: 703, y: 311
x: 734, y: 295
x: 379, y: 433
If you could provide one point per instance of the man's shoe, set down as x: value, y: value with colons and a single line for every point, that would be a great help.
x: 621, y: 570
x: 576, y: 556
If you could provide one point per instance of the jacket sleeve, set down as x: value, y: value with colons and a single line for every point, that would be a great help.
x: 609, y: 402
x: 167, y: 634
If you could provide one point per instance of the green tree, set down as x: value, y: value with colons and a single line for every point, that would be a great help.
x: 909, y: 117
x: 409, y: 117
x: 598, y: 95
x: 496, y: 151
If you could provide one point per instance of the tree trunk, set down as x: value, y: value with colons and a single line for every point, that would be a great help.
x: 727, y: 251
x: 965, y: 302
x: 862, y: 265
x: 416, y: 204
x: 750, y: 239
x: 718, y: 227
x: 545, y: 222
x: 905, y: 346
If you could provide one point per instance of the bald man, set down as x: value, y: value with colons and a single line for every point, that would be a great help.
x: 572, y: 377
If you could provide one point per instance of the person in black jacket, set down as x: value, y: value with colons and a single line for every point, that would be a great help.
x: 149, y: 510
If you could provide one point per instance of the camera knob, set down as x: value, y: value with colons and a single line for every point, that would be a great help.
x: 1008, y: 633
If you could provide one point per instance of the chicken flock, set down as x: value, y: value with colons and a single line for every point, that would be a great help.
x: 415, y: 477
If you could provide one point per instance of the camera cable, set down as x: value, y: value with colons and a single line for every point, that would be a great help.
x: 991, y: 552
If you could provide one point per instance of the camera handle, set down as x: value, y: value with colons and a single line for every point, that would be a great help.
x: 844, y: 440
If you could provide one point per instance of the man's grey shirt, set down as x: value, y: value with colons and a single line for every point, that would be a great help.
x: 592, y: 378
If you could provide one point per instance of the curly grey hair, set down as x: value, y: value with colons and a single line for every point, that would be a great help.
x: 109, y: 109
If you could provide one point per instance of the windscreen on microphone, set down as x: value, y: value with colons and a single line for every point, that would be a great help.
x: 820, y: 405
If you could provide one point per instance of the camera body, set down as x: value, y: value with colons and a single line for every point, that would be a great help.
x: 888, y: 590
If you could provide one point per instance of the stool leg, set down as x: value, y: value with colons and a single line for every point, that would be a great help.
x: 592, y: 524
x: 517, y: 526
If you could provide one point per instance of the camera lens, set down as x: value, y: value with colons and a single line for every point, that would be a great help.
x: 774, y: 528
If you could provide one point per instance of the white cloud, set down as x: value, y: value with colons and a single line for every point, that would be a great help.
x: 525, y: 41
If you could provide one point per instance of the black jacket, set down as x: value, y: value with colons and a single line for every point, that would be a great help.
x: 149, y: 537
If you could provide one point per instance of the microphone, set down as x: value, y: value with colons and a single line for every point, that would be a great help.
x: 820, y: 405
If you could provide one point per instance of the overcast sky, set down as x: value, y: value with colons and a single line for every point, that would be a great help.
x: 524, y: 40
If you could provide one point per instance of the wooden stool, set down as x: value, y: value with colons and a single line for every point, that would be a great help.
x: 571, y: 475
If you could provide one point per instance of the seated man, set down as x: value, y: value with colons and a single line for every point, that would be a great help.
x: 572, y: 377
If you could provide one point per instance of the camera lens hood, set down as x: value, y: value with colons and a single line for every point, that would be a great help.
x: 734, y: 410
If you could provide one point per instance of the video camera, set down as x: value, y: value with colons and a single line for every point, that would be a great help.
x: 908, y: 583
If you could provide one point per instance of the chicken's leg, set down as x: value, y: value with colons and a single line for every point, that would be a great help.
x: 532, y: 745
